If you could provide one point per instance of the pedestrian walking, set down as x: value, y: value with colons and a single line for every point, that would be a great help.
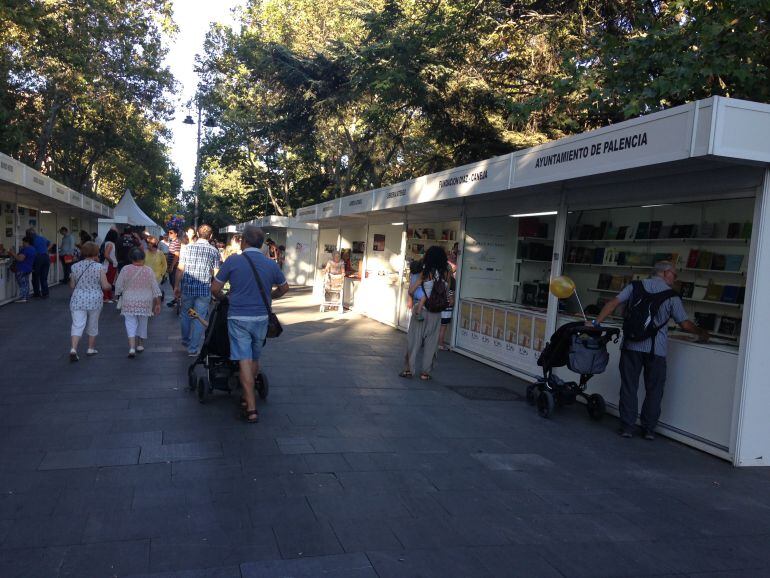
x: 87, y: 281
x: 172, y: 257
x: 422, y: 336
x: 252, y: 277
x: 139, y: 299
x: 66, y: 253
x: 156, y: 261
x: 41, y: 265
x: 650, y: 304
x: 108, y: 257
x: 127, y: 241
x: 24, y: 260
x: 197, y: 264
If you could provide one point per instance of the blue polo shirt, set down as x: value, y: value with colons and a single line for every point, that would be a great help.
x: 244, y: 297
x: 40, y: 244
x: 25, y: 266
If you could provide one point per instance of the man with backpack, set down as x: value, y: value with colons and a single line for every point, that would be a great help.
x: 650, y: 304
x: 126, y: 242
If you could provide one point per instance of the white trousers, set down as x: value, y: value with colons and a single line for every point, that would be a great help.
x: 136, y: 326
x: 88, y: 320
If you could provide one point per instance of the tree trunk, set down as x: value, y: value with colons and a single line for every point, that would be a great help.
x: 41, y: 146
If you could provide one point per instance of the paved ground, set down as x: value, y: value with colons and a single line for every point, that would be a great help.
x: 110, y: 467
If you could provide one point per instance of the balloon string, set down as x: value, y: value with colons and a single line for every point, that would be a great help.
x: 580, y: 305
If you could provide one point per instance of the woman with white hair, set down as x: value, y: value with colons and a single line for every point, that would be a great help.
x: 139, y: 299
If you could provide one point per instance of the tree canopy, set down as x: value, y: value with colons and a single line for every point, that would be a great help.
x: 317, y: 99
x: 84, y: 95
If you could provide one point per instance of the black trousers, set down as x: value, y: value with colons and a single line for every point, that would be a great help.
x: 633, y: 363
x: 66, y: 268
x: 40, y: 267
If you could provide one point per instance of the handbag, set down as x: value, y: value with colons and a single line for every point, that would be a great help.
x: 67, y: 259
x: 274, y: 328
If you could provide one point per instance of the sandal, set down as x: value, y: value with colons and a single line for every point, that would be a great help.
x: 406, y: 373
x: 249, y: 414
x: 425, y: 377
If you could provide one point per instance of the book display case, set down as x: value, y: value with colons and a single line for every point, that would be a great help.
x: 707, y: 242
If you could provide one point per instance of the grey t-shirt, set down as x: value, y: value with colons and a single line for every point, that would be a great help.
x: 671, y: 308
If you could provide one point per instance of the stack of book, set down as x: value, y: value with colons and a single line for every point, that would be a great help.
x: 707, y: 260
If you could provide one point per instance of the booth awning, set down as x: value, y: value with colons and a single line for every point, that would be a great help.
x: 130, y: 211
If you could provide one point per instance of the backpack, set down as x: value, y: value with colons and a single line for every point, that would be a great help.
x: 641, y: 310
x: 438, y: 299
x: 124, y: 246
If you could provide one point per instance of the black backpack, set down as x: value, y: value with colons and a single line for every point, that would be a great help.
x: 641, y: 310
x: 125, y: 244
x: 438, y: 299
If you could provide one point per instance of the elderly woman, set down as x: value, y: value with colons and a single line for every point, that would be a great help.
x: 139, y: 299
x: 25, y: 259
x: 87, y: 279
x: 336, y: 266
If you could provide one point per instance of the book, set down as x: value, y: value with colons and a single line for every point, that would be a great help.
x: 699, y: 291
x: 730, y: 294
x: 672, y: 258
x: 643, y: 230
x: 686, y: 288
x: 692, y: 259
x: 706, y: 321
x: 655, y: 227
x: 665, y: 232
x: 604, y: 281
x: 746, y: 230
x: 730, y: 326
x: 704, y: 260
x: 611, y: 233
x: 622, y: 233
x: 733, y: 262
x: 713, y: 292
x: 617, y: 282
x: 598, y: 257
x: 718, y: 262
x: 675, y: 232
x: 733, y: 230
x: 707, y: 230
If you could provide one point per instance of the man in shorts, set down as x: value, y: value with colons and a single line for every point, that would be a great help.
x: 248, y: 313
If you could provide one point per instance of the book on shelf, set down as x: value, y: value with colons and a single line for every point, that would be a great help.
x: 622, y: 234
x: 718, y: 262
x: 733, y: 230
x: 713, y: 292
x: 685, y: 288
x: 730, y: 294
x: 707, y: 321
x: 617, y: 282
x: 665, y: 232
x: 707, y: 230
x: 699, y: 291
x: 733, y: 262
x: 692, y: 259
x: 704, y: 260
x: 655, y: 227
x: 643, y: 230
x: 672, y: 258
x: 598, y: 257
x: 746, y: 230
x: 611, y: 233
x: 730, y: 326
x: 605, y: 279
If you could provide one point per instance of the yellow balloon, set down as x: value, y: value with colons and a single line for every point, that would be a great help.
x: 562, y: 287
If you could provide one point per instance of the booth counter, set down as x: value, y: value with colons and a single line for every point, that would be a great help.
x: 690, y: 185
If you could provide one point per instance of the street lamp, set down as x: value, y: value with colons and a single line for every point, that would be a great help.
x: 208, y: 123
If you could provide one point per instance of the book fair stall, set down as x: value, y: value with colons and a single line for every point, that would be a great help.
x: 689, y: 185
x: 30, y: 199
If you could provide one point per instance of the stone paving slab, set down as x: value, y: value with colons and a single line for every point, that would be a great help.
x: 110, y: 467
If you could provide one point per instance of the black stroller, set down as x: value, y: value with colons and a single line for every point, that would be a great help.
x: 222, y: 373
x: 583, y: 349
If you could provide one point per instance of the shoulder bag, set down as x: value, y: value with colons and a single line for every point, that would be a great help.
x: 274, y: 328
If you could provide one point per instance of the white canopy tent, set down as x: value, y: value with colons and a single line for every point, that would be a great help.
x: 127, y: 212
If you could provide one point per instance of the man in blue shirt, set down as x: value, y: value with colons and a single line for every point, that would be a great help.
x: 197, y: 264
x: 248, y: 313
x: 41, y: 264
x: 644, y: 355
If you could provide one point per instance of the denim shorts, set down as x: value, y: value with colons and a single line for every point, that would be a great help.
x: 246, y: 338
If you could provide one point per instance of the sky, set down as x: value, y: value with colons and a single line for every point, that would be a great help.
x: 193, y: 18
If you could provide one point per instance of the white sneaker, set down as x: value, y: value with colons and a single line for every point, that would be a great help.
x: 139, y: 348
x: 132, y: 353
x: 73, y: 355
x: 91, y: 351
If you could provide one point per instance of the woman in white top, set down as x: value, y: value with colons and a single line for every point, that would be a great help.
x: 139, y: 299
x: 110, y: 262
x: 88, y: 280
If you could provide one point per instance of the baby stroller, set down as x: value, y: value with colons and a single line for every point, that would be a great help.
x: 333, y: 289
x: 583, y: 349
x: 222, y: 373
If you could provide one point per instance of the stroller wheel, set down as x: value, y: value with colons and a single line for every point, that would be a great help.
x: 545, y: 404
x: 191, y: 381
x: 596, y: 406
x: 262, y: 386
x: 531, y: 388
x: 202, y: 390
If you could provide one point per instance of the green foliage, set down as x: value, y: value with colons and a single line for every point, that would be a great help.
x: 83, y: 95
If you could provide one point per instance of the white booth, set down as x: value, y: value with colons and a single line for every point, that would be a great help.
x: 690, y: 185
x: 299, y: 239
x: 127, y: 212
x: 30, y: 199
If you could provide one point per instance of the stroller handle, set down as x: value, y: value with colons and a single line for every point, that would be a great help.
x: 605, y: 334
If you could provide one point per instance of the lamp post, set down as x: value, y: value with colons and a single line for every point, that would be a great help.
x: 208, y: 123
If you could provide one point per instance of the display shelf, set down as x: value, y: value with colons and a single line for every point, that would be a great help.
x: 433, y: 240
x: 531, y: 261
x: 527, y: 239
x: 720, y: 271
x: 610, y: 266
x: 689, y: 299
x: 670, y: 240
